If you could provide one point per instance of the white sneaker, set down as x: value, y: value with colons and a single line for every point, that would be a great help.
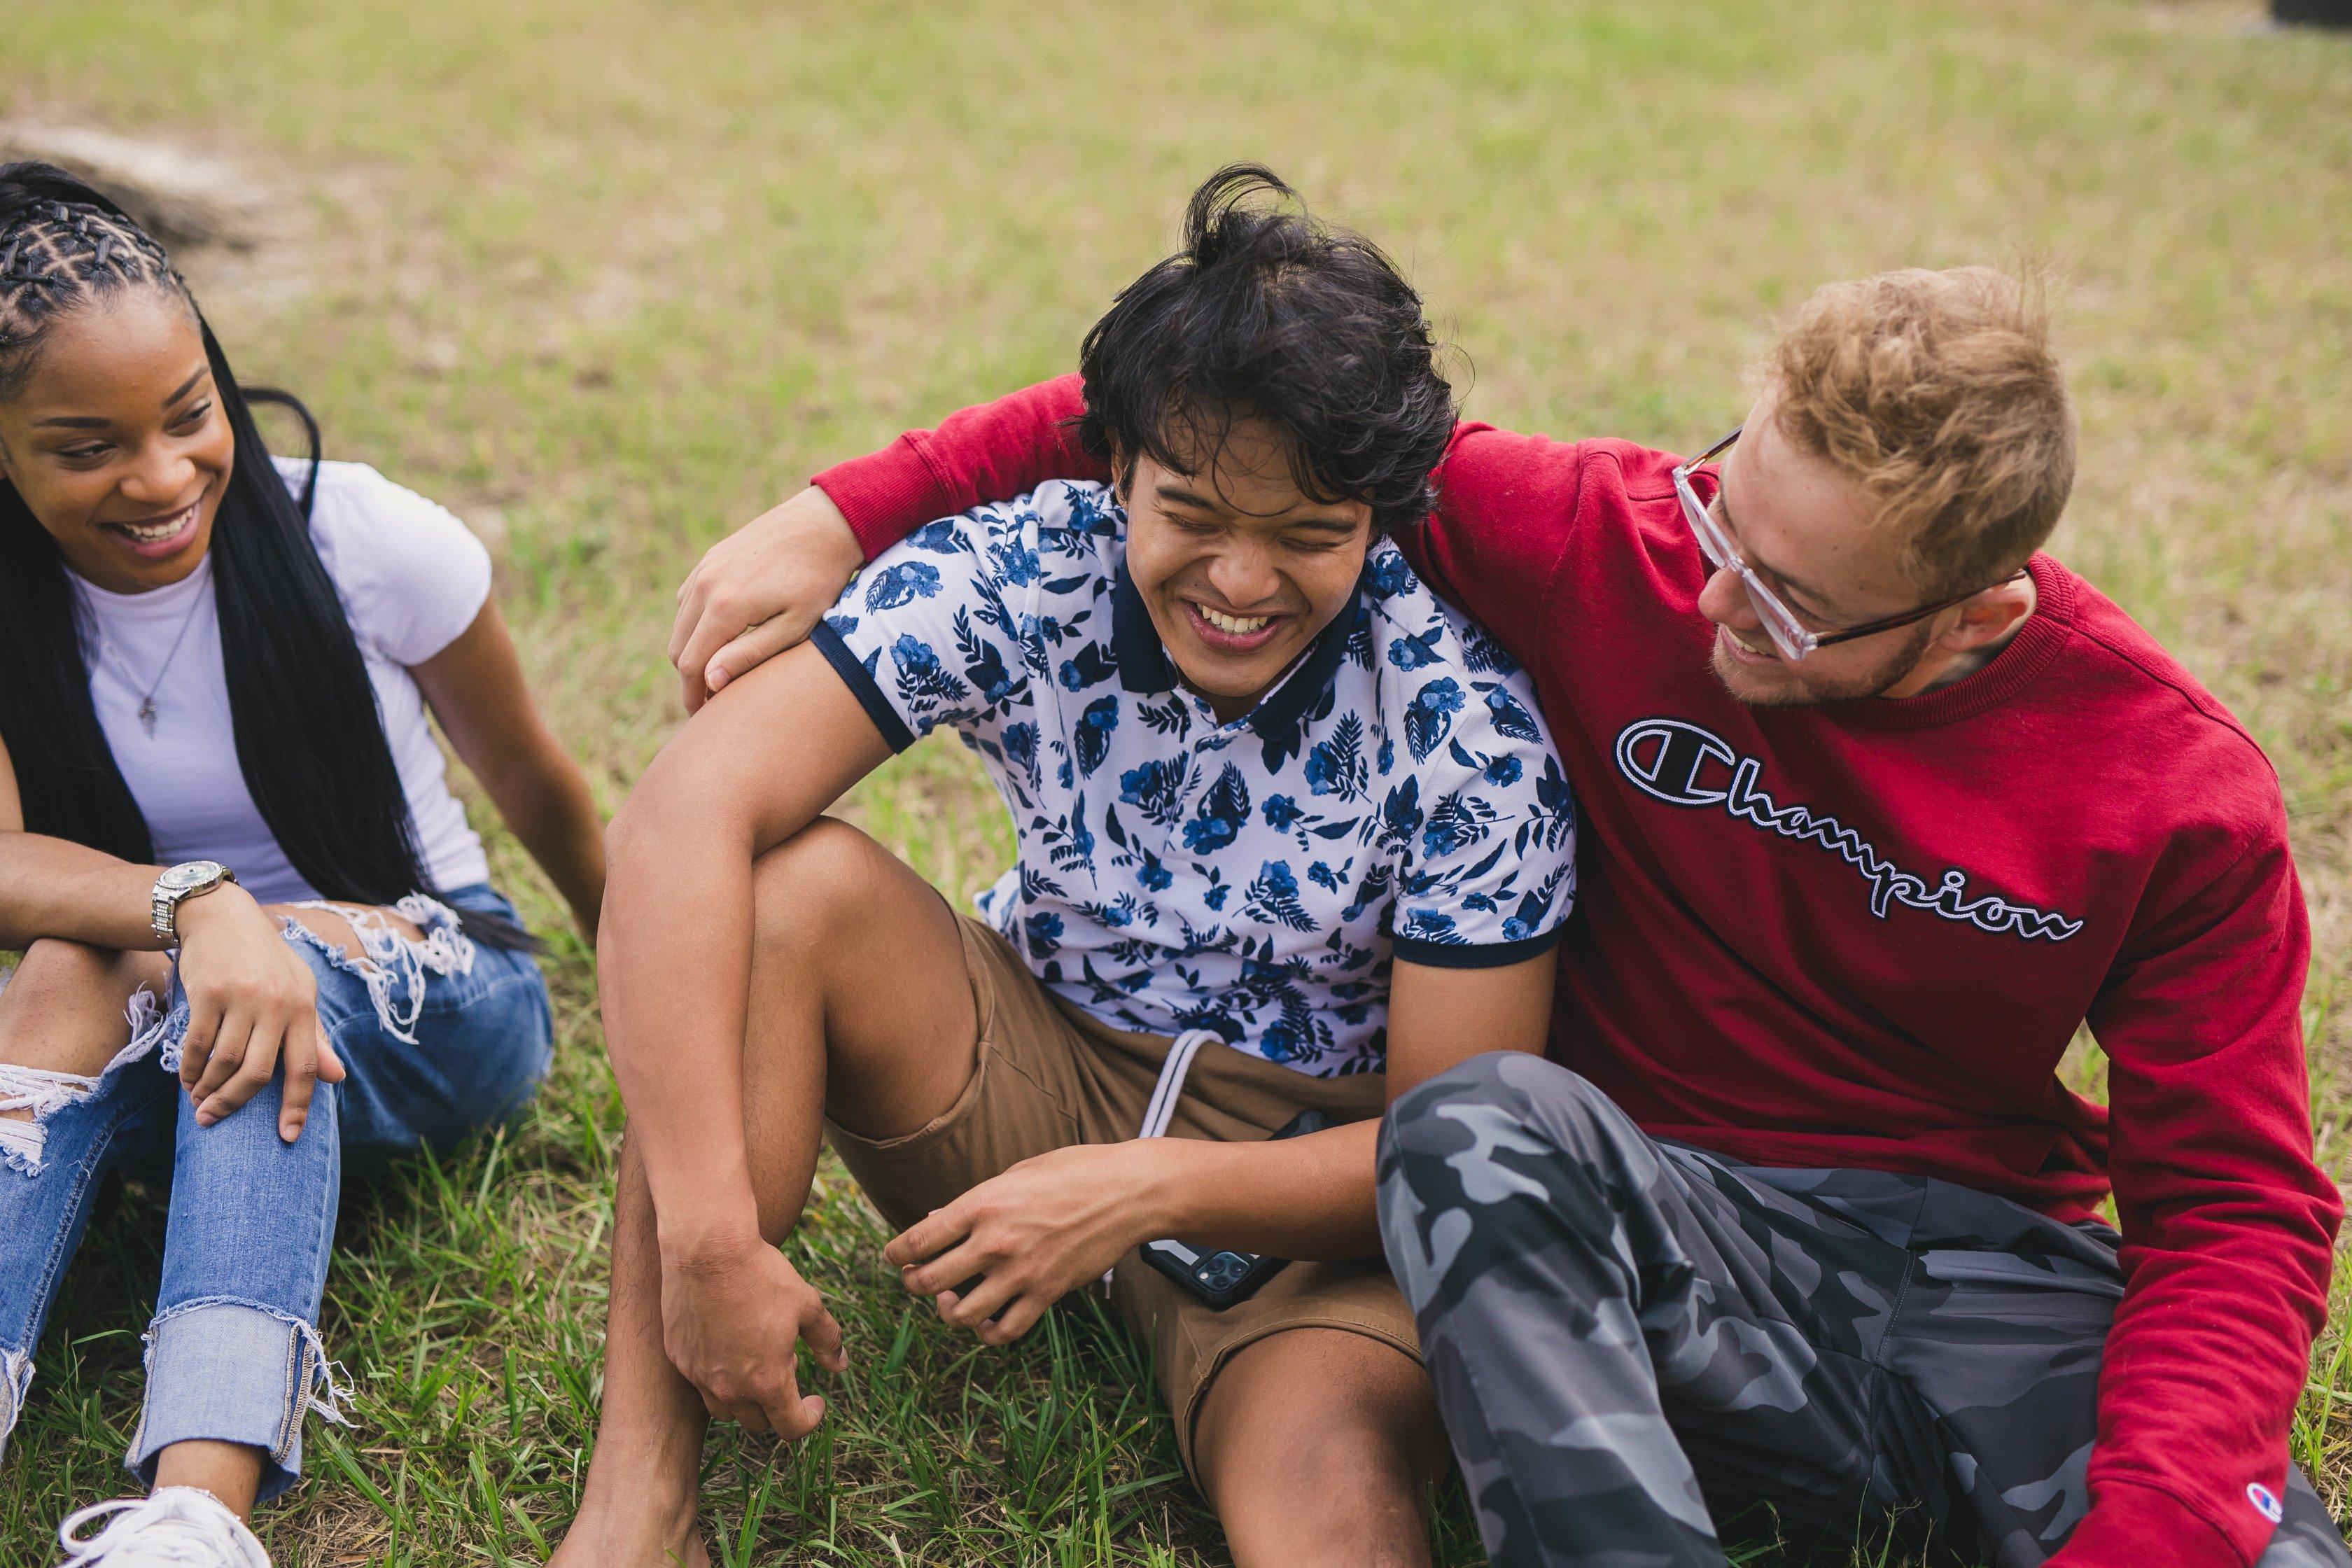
x: 178, y: 1526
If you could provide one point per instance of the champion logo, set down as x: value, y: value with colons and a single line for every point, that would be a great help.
x: 2265, y: 1502
x: 1669, y: 760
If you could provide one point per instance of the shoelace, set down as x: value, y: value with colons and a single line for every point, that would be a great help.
x: 206, y: 1541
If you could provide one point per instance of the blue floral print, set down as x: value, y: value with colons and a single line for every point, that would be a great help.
x: 1175, y: 871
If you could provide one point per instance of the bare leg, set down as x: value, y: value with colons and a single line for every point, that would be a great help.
x: 644, y: 1480
x: 230, y: 1471
x: 1318, y: 1446
x: 63, y: 1009
x: 859, y: 1006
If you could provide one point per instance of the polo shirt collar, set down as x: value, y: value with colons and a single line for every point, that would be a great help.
x: 1144, y: 665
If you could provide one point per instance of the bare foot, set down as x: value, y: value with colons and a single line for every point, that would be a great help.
x: 596, y: 1540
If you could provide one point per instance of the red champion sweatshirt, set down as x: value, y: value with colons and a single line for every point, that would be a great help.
x: 1863, y: 935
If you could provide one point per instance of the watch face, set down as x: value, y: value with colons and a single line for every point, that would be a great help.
x: 192, y: 874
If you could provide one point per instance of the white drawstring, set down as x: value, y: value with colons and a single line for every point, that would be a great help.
x: 1165, y: 1093
x: 1162, y: 1110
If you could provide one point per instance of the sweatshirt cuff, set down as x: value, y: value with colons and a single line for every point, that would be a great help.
x: 886, y: 493
x: 2131, y: 1525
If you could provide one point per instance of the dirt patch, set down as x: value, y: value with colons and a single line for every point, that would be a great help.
x: 182, y: 197
x: 232, y: 230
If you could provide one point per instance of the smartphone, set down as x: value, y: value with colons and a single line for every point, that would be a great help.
x: 1224, y: 1277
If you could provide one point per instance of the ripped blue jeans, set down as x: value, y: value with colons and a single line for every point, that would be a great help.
x: 438, y: 1038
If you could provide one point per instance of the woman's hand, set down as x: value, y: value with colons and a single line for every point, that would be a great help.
x: 1024, y: 1239
x: 760, y: 591
x: 252, y: 1003
x: 730, y: 1319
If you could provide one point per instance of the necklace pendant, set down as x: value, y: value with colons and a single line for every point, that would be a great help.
x: 147, y: 717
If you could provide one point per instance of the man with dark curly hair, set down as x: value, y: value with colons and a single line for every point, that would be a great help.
x: 1290, y: 839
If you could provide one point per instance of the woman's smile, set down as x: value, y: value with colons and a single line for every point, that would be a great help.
x: 153, y: 539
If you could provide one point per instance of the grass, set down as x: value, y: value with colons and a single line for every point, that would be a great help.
x: 627, y: 272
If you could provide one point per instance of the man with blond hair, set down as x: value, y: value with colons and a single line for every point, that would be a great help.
x: 1881, y: 804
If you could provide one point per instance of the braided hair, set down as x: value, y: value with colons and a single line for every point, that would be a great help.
x: 310, y: 740
x: 55, y: 255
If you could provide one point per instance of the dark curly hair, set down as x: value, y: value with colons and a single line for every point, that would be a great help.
x: 1267, y: 315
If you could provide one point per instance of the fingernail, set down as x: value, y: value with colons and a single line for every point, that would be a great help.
x: 718, y: 679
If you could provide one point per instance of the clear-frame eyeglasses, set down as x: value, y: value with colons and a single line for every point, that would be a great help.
x: 1789, y: 634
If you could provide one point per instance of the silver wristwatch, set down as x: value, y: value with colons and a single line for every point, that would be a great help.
x: 175, y: 887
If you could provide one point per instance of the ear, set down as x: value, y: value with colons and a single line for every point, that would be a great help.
x: 1989, y: 616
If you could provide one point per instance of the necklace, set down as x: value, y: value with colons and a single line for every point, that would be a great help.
x: 147, y: 713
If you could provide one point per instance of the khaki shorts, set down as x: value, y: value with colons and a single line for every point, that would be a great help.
x: 1049, y: 1075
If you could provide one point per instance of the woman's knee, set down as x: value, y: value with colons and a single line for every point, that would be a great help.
x: 57, y: 967
x: 64, y: 1008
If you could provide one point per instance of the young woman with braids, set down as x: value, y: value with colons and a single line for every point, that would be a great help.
x: 258, y: 933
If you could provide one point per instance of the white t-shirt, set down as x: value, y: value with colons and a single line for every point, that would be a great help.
x: 411, y: 579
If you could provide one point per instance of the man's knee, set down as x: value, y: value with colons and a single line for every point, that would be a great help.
x: 1501, y: 1153
x: 813, y: 888
x: 1321, y: 1446
x: 1504, y: 1106
x: 1338, y: 1489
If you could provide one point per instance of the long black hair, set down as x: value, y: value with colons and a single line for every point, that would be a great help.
x: 309, y: 739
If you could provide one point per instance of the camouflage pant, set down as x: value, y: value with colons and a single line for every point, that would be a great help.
x: 1630, y: 1339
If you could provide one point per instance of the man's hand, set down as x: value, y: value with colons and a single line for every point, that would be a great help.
x: 1030, y: 1236
x: 730, y: 1319
x: 759, y: 591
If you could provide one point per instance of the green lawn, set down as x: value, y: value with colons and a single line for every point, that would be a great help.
x: 628, y: 271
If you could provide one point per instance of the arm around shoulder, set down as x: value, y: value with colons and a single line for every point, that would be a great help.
x: 761, y: 590
x: 1508, y: 506
x: 988, y: 452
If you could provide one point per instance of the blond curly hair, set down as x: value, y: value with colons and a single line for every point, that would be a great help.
x: 1939, y: 391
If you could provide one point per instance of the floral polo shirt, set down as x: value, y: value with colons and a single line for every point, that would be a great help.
x: 1395, y: 795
